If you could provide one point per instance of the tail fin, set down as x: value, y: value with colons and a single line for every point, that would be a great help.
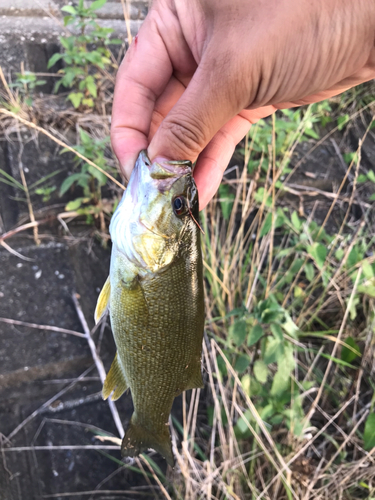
x: 137, y: 439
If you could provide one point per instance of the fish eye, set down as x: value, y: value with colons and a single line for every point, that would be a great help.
x: 179, y: 205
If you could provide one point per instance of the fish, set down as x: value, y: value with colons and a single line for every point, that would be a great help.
x: 154, y: 293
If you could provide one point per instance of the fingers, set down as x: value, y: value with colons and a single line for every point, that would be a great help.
x: 171, y: 94
x: 214, y: 159
x: 197, y: 116
x: 142, y: 77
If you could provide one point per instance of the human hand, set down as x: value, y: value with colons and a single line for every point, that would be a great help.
x: 200, y: 72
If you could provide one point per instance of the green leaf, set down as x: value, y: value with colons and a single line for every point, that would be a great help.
x: 88, y: 102
x: 337, y: 360
x: 97, y: 4
x: 53, y: 60
x: 74, y: 204
x: 68, y: 20
x: 242, y: 363
x: 367, y: 269
x: 68, y: 182
x: 311, y: 133
x: 91, y: 86
x: 318, y: 252
x: 254, y: 335
x: 342, y: 121
x: 353, y: 257
x: 267, y: 224
x: 361, y: 178
x: 273, y: 314
x: 70, y: 9
x: 290, y: 327
x: 347, y: 354
x: 273, y: 350
x: 309, y: 271
x: 226, y: 200
x: 67, y: 42
x: 353, y: 307
x: 246, y: 383
x: 101, y: 178
x: 12, y: 180
x: 285, y: 364
x: 267, y: 412
x: 241, y: 425
x: 222, y: 366
x: 339, y: 254
x: 85, y: 137
x: 277, y: 331
x: 296, y: 221
x: 367, y: 290
x: 75, y: 98
x: 371, y: 175
x: 260, y: 193
x: 260, y: 371
x: 369, y: 433
x: 238, y: 332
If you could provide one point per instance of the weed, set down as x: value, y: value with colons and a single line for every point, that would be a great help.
x: 86, y: 55
x: 89, y: 178
x: 41, y: 187
x: 25, y: 85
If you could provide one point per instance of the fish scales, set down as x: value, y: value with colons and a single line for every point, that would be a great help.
x: 155, y: 296
x: 144, y: 344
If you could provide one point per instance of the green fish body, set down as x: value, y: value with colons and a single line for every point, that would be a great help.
x: 155, y: 296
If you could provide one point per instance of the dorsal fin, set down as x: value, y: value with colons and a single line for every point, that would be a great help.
x: 103, y: 301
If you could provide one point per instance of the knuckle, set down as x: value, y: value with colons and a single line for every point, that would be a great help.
x: 186, y: 138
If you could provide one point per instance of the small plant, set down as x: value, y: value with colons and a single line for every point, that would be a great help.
x: 84, y: 66
x: 45, y: 192
x: 25, y: 84
x: 40, y: 187
x: 88, y: 178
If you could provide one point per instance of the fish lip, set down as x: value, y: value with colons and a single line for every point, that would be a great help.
x: 168, y: 167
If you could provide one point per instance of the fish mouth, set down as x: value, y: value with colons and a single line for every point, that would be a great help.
x: 161, y: 168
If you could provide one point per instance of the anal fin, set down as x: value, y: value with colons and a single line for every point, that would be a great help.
x: 115, y: 381
x: 137, y: 439
x: 103, y: 301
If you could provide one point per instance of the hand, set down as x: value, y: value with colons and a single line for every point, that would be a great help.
x: 200, y: 72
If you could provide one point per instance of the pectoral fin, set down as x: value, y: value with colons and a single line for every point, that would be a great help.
x: 103, y: 301
x: 115, y: 381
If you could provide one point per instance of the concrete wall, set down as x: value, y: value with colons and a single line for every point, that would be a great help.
x: 30, y: 29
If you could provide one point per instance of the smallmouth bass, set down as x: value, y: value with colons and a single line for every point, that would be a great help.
x: 155, y: 297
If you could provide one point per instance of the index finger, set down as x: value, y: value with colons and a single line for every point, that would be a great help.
x: 142, y: 77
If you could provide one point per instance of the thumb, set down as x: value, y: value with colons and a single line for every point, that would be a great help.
x: 204, y: 107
